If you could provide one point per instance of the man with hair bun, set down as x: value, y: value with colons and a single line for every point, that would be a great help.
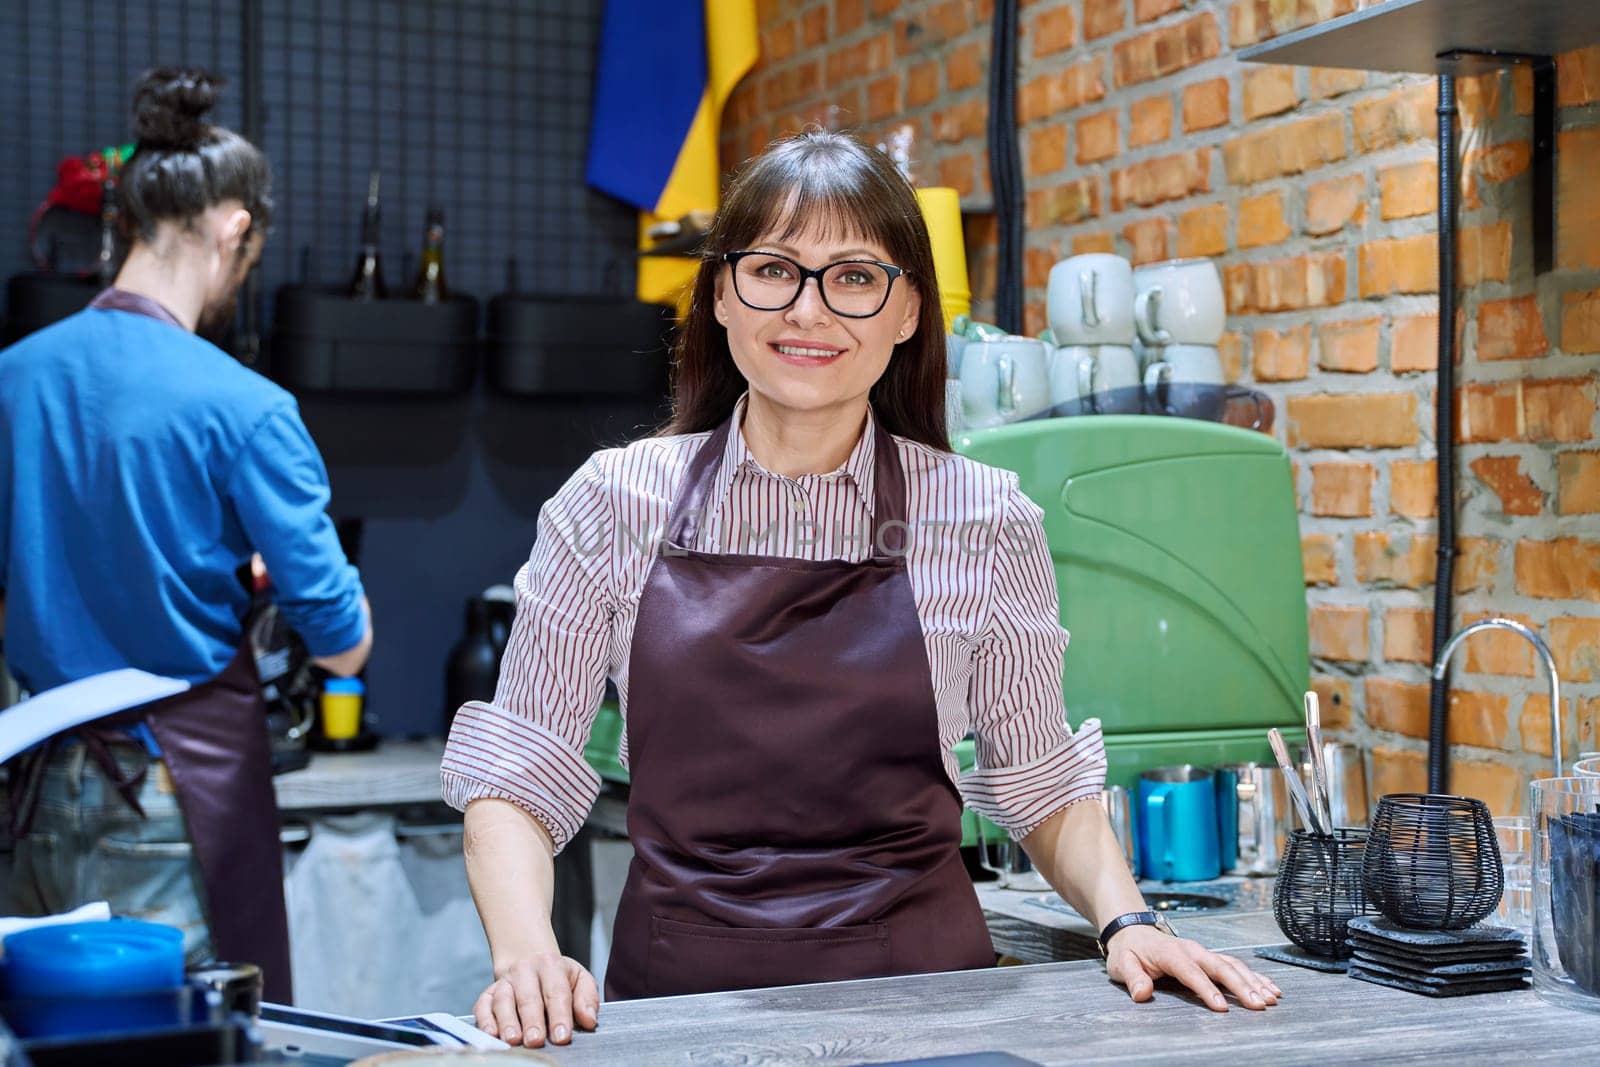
x: 142, y: 469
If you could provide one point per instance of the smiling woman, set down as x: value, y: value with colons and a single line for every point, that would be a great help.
x: 792, y: 705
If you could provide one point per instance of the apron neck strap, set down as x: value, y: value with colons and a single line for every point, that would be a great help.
x: 114, y: 299
x: 889, y: 529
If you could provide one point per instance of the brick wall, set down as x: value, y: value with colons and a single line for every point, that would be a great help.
x: 1315, y: 189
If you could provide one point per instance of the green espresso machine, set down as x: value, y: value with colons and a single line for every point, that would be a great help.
x: 1176, y: 545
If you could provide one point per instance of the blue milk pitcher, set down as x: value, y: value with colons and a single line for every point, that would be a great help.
x: 1178, y: 824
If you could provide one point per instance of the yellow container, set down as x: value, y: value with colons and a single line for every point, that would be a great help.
x: 341, y: 708
x: 941, y: 209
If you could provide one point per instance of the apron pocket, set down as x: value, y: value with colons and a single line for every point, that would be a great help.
x: 695, y: 958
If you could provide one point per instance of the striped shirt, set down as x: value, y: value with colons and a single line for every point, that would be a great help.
x: 980, y: 573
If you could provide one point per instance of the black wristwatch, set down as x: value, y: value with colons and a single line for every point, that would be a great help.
x: 1134, y: 918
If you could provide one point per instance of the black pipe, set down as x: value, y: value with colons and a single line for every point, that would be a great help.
x: 1005, y: 166
x: 1444, y: 432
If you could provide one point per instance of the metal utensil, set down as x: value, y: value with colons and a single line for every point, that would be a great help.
x: 1297, y: 789
x: 1319, y: 770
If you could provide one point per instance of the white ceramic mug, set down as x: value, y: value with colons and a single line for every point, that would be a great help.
x: 1179, y: 303
x: 954, y: 345
x: 954, y: 420
x: 1187, y: 381
x: 1115, y: 383
x: 1003, y: 381
x: 1090, y: 300
x: 1071, y: 378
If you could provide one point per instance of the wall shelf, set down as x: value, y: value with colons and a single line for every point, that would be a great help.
x: 1458, y: 37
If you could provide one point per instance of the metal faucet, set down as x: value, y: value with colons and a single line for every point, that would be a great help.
x: 1515, y: 627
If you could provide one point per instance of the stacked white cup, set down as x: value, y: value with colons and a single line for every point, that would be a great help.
x: 1090, y: 307
x: 1180, y: 313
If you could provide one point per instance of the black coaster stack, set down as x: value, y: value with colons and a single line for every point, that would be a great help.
x: 1438, y: 963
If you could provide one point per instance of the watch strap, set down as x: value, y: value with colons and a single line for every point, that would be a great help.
x: 1132, y: 918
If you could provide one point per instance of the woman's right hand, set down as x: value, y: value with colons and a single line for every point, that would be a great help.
x: 543, y: 994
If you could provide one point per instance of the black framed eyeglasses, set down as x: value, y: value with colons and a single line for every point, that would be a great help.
x: 852, y: 288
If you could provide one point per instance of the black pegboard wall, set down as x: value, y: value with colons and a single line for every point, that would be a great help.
x: 479, y: 106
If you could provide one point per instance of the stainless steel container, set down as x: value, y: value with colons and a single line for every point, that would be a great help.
x: 1119, y: 810
x: 1347, y: 780
x: 1253, y: 806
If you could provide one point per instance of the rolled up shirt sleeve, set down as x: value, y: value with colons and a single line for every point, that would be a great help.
x: 279, y: 491
x: 1030, y: 763
x: 526, y: 746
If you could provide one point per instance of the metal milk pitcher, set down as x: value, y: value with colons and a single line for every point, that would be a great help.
x: 1255, y: 817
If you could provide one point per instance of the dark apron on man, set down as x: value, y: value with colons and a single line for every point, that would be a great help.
x: 791, y: 817
x: 213, y: 739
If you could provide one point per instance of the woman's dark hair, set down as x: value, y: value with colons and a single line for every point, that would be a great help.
x: 183, y: 165
x: 836, y: 183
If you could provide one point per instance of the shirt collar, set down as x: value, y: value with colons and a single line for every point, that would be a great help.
x: 858, y: 468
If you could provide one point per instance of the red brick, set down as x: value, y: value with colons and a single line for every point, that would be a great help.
x: 1580, y: 322
x: 778, y: 42
x: 1353, y: 420
x: 1317, y: 559
x: 1269, y: 90
x: 1205, y: 105
x: 1578, y: 231
x: 814, y: 27
x: 883, y: 97
x: 1504, y: 477
x: 1101, y: 18
x: 1409, y: 561
x: 960, y: 122
x: 1053, y: 31
x: 1281, y: 357
x: 1338, y: 632
x: 1336, y: 203
x: 959, y: 172
x: 1258, y: 20
x: 1559, y: 409
x: 1488, y: 412
x: 1578, y: 77
x: 1395, y: 770
x: 1036, y: 264
x: 1578, y: 483
x: 1408, y: 190
x: 1338, y: 700
x: 1397, y: 707
x: 1405, y: 114
x: 1414, y: 344
x: 1342, y: 490
x: 1501, y: 786
x: 1156, y: 181
x: 848, y: 15
x: 1511, y: 329
x: 1497, y: 651
x: 1495, y: 164
x: 1262, y: 221
x: 1477, y: 563
x: 1290, y: 148
x: 1314, y: 280
x: 1400, y: 265
x: 1150, y: 10
x: 1149, y: 120
x: 1203, y: 231
x: 1062, y: 205
x: 964, y: 67
x: 1085, y: 243
x: 1407, y: 635
x: 1483, y: 253
x: 1475, y: 718
x: 1051, y: 94
x: 1335, y: 81
x: 1414, y: 489
x: 922, y: 84
x: 1148, y: 238
x: 1047, y: 150
x: 1350, y: 347
x: 1478, y: 98
x: 1563, y: 569
x: 1098, y: 137
x: 1230, y: 350
x: 1575, y: 644
x: 1166, y: 50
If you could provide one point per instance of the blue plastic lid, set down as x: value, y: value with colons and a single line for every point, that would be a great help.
x: 87, y: 958
x: 352, y: 686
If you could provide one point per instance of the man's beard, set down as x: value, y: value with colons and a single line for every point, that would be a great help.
x: 216, y: 320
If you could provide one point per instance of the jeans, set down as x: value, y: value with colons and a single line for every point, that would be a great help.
x: 87, y: 844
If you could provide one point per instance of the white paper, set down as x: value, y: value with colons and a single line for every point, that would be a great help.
x: 97, y: 911
x: 66, y: 706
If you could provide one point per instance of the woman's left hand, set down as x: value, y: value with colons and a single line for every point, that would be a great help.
x: 1139, y: 955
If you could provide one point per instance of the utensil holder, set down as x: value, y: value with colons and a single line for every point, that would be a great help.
x: 1566, y: 891
x: 1319, y: 890
x: 1432, y: 861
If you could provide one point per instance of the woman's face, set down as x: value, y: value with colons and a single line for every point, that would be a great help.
x: 807, y: 357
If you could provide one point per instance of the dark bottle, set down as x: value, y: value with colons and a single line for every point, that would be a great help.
x: 367, y: 284
x: 430, y: 287
x: 473, y: 668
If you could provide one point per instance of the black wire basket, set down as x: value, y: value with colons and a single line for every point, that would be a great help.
x: 1432, y: 861
x: 1319, y: 889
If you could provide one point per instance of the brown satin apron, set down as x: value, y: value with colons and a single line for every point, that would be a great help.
x: 213, y: 739
x: 790, y: 813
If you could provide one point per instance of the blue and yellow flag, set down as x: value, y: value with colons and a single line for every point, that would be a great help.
x: 666, y: 68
